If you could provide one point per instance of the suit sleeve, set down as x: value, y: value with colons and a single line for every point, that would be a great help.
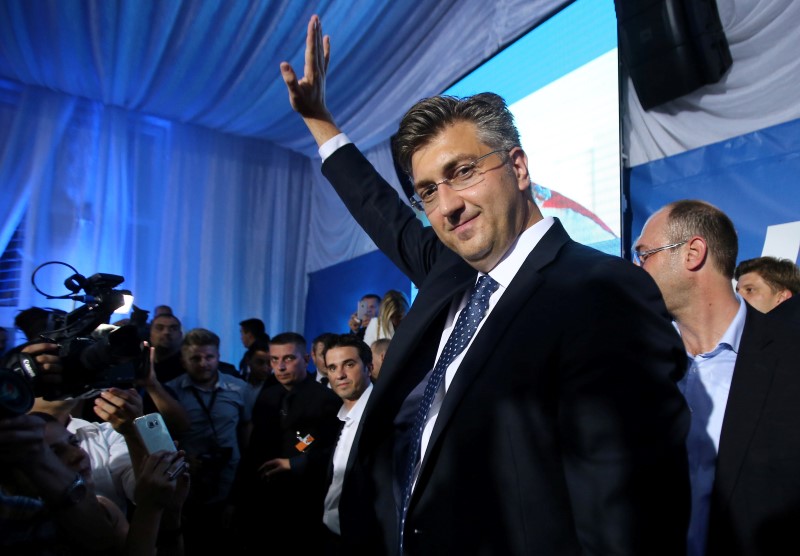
x: 623, y: 421
x: 378, y: 209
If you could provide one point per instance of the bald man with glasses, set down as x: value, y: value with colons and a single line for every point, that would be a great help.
x: 742, y: 387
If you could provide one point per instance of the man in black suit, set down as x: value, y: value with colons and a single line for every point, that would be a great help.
x: 742, y: 386
x: 556, y: 428
x: 281, y: 483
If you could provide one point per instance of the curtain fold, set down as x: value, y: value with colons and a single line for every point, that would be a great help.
x: 154, y: 139
x: 214, y: 225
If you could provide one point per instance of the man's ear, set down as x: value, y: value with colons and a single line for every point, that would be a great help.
x: 696, y: 253
x: 783, y: 296
x: 519, y: 164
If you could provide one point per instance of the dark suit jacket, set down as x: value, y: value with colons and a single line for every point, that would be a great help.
x: 287, y: 509
x: 789, y: 310
x: 562, y: 432
x: 756, y: 497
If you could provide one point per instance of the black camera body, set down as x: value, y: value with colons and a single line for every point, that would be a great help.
x: 89, y: 363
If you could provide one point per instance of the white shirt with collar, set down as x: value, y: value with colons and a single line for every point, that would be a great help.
x: 503, y: 274
x: 351, y: 420
x: 706, y: 386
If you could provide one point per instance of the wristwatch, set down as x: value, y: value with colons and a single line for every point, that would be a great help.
x: 75, y: 493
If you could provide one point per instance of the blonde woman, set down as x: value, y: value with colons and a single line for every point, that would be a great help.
x: 394, y: 307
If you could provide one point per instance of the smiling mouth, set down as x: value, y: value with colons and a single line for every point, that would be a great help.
x: 462, y: 224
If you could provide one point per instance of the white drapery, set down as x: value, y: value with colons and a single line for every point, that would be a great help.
x: 759, y: 90
x: 214, y: 225
x: 153, y: 139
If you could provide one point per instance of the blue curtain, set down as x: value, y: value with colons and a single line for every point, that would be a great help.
x: 153, y: 138
x: 212, y: 224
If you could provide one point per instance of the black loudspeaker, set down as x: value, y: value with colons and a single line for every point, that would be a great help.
x: 671, y: 47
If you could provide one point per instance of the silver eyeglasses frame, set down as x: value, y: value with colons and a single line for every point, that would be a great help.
x: 639, y: 257
x: 455, y: 183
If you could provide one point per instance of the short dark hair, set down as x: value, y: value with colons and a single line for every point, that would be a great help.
x: 428, y: 117
x: 254, y: 326
x: 200, y: 337
x: 285, y: 338
x: 166, y: 316
x: 381, y: 345
x: 350, y: 340
x: 691, y: 217
x: 779, y: 274
x: 259, y: 344
x: 374, y: 296
x: 325, y: 338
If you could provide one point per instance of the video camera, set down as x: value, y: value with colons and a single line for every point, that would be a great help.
x: 90, y: 363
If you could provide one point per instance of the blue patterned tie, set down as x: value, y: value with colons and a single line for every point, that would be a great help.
x: 466, y: 325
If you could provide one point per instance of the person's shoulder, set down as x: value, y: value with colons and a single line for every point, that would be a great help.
x: 762, y: 331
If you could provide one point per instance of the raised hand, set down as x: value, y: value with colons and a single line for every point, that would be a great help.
x: 307, y: 94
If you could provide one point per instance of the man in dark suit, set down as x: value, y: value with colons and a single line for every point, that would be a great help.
x: 742, y: 386
x: 555, y: 428
x: 281, y: 486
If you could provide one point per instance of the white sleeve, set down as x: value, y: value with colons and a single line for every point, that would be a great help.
x: 371, y: 333
x: 119, y: 461
x: 332, y: 145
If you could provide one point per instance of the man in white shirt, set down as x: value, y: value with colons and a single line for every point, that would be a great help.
x: 349, y: 364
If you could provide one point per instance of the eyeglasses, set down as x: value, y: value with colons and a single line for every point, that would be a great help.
x: 462, y: 177
x: 639, y: 257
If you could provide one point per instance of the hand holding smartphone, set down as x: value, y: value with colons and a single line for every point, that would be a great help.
x: 361, y: 312
x: 155, y: 437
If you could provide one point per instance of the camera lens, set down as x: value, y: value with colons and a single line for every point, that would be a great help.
x: 152, y: 424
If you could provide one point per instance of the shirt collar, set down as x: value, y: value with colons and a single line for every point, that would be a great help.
x: 732, y: 336
x: 355, y: 413
x: 511, y: 262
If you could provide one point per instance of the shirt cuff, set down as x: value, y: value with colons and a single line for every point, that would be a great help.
x: 332, y: 145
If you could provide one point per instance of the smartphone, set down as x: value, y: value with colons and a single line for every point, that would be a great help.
x: 154, y: 433
x: 361, y: 312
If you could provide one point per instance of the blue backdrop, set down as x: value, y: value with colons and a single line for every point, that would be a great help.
x: 753, y: 178
x: 333, y: 292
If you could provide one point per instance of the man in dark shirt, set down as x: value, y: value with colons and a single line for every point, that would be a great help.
x: 281, y: 484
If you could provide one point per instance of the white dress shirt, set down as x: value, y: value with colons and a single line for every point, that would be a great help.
x: 340, y: 456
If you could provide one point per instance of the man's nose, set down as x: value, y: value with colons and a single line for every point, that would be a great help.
x: 449, y: 201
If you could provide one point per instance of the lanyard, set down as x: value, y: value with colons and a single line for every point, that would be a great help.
x: 207, y: 408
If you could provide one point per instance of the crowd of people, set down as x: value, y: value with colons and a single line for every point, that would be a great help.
x: 539, y: 397
x: 257, y: 441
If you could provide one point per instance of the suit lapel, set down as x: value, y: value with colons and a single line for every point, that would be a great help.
x: 752, y: 378
x: 413, y: 348
x: 522, y: 287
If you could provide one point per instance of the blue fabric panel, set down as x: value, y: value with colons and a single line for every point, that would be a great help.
x: 753, y: 178
x: 333, y: 292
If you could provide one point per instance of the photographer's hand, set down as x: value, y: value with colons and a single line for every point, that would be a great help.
x: 49, y: 363
x: 170, y: 409
x: 120, y: 408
